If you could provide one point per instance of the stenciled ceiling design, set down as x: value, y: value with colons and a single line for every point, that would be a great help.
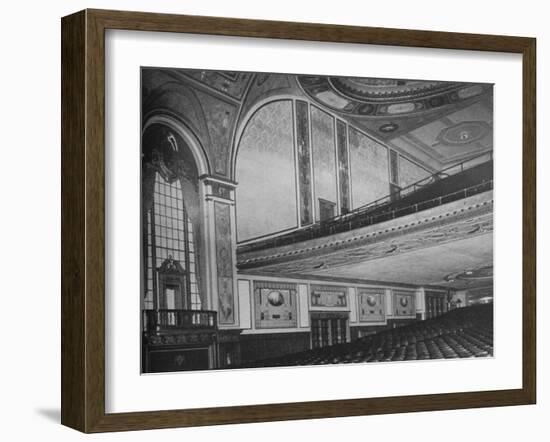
x: 436, y: 123
x: 451, y: 138
x: 227, y: 82
x: 379, y: 97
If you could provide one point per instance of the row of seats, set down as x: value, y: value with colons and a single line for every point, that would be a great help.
x: 462, y: 333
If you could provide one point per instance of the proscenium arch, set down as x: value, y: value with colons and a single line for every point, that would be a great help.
x: 194, y: 144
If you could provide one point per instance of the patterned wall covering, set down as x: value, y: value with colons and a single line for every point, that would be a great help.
x: 226, y: 82
x: 265, y: 85
x: 304, y: 162
x: 410, y: 173
x: 209, y: 114
x: 328, y: 296
x: 220, y: 117
x: 369, y: 169
x: 371, y: 305
x: 394, y: 167
x: 275, y: 304
x: 404, y: 303
x: 224, y: 261
x: 324, y: 156
x: 343, y: 166
x: 266, y: 194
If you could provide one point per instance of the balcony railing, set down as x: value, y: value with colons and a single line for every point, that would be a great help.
x: 163, y: 320
x: 385, y: 208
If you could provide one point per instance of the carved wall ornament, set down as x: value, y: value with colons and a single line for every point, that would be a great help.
x: 158, y: 162
x: 170, y: 265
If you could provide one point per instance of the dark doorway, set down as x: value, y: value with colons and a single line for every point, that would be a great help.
x: 327, y: 209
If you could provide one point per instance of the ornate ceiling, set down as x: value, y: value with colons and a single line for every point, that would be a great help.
x: 393, y: 108
x: 378, y: 97
x: 451, y: 138
x: 227, y: 82
x: 434, y: 122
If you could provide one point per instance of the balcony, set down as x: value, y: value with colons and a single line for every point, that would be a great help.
x: 457, y: 182
x: 179, y: 320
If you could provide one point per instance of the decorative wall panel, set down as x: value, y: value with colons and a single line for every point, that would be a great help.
x: 220, y: 117
x: 371, y: 305
x: 369, y: 169
x: 394, y: 167
x: 404, y: 303
x: 228, y: 83
x: 275, y: 305
x: 328, y: 296
x: 324, y: 160
x: 266, y: 173
x: 343, y: 166
x: 304, y: 162
x: 224, y: 264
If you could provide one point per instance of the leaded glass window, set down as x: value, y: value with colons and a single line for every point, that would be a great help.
x: 170, y: 235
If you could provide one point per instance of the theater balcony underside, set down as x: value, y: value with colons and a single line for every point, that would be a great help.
x: 423, y: 248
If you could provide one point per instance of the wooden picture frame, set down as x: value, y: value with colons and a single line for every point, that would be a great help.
x: 83, y: 220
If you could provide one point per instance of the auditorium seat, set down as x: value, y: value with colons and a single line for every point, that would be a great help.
x: 461, y: 333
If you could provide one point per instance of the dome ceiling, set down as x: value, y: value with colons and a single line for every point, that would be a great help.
x: 386, y: 89
x: 383, y: 98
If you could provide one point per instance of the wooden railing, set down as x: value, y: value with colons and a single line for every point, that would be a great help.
x: 159, y: 320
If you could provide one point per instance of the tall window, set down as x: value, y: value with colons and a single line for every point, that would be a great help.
x: 170, y: 236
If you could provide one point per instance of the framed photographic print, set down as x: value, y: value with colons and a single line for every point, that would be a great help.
x: 268, y: 221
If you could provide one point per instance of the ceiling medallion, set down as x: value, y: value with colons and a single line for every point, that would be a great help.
x: 484, y: 272
x: 463, y: 133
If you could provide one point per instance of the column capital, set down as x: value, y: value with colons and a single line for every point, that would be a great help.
x: 210, y: 179
x: 218, y: 189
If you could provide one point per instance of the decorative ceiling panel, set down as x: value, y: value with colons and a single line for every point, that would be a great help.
x: 227, y: 82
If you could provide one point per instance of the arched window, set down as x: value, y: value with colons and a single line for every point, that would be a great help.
x: 170, y: 239
x: 170, y: 236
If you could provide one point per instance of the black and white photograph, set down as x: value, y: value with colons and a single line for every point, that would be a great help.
x: 296, y: 220
x: 275, y: 221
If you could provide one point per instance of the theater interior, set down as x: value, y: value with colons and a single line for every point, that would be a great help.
x: 302, y: 219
